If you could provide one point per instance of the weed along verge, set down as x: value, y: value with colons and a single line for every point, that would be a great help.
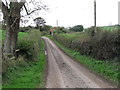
x: 106, y: 69
x: 28, y: 70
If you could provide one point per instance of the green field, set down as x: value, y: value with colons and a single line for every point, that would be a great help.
x: 110, y: 27
x: 77, y: 35
x: 22, y: 35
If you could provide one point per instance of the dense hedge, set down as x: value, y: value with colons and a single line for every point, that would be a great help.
x: 104, y: 45
x: 29, y: 46
x: 26, y: 49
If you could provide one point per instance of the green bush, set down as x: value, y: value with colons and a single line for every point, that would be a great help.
x: 29, y: 45
x: 104, y: 45
x: 25, y: 74
x: 24, y: 29
x: 28, y: 70
x: 109, y: 70
x: 59, y: 30
x: 44, y: 33
x: 26, y: 49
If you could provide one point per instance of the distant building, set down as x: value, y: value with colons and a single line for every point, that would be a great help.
x: 51, y: 31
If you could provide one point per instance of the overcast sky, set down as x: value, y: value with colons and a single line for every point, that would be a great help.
x: 78, y: 12
x: 81, y: 12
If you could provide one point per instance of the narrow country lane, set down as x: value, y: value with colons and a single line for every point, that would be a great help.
x: 63, y: 72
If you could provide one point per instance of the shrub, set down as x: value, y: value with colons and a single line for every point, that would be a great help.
x: 24, y: 29
x: 29, y: 46
x: 26, y: 49
x: 104, y: 45
x: 44, y: 33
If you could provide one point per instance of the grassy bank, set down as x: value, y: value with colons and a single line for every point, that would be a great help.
x: 24, y: 73
x: 109, y: 70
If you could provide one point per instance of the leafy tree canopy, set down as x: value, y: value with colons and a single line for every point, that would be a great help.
x: 39, y: 21
x: 77, y: 28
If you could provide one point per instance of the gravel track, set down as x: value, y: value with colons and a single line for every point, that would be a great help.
x: 64, y: 72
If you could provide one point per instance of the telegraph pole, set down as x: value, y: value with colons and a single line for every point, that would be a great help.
x: 57, y: 23
x: 95, y: 16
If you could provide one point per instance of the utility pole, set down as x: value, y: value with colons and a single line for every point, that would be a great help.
x: 95, y: 16
x: 57, y: 23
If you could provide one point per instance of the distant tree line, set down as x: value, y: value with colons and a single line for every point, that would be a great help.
x: 77, y: 28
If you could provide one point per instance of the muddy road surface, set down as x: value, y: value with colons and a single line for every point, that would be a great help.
x: 64, y: 72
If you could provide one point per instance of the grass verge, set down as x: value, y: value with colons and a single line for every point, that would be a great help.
x: 27, y: 74
x: 109, y: 70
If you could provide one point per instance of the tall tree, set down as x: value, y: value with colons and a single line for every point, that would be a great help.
x: 77, y: 28
x: 11, y: 13
x: 46, y: 28
x: 39, y: 22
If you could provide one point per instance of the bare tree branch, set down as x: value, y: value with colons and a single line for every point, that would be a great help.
x: 6, y: 3
x: 4, y: 9
x: 21, y: 3
x: 32, y: 11
x: 39, y: 7
x: 26, y: 10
